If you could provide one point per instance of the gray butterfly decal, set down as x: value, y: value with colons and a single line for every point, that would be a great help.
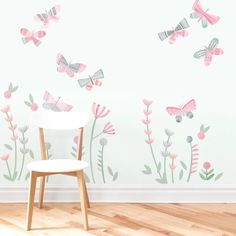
x: 51, y: 15
x: 179, y: 30
x: 89, y: 82
x: 69, y: 68
x: 209, y: 51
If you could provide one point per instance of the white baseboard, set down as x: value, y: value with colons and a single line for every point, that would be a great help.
x: 144, y: 193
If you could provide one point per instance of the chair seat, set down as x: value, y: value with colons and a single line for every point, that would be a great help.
x: 57, y: 165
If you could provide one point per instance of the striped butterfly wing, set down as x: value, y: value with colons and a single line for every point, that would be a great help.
x: 98, y: 75
x: 54, y: 11
x: 194, y: 15
x: 165, y: 34
x: 214, y: 42
x: 183, y: 24
x: 199, y: 54
x: 83, y: 82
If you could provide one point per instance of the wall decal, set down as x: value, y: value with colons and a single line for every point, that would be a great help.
x: 173, y: 34
x: 47, y: 16
x: 69, y: 68
x: 89, y: 82
x: 11, y: 89
x: 50, y: 103
x: 99, y: 112
x: 207, y: 173
x: 32, y: 36
x: 33, y: 106
x: 209, y: 51
x: 203, y: 130
x: 185, y: 110
x: 178, y: 170
x: 202, y: 15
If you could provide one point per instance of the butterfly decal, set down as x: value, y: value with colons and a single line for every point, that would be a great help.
x: 185, y: 110
x: 32, y: 36
x: 173, y: 34
x: 51, y: 15
x: 50, y: 103
x: 69, y: 68
x: 202, y: 15
x: 209, y: 51
x: 89, y: 82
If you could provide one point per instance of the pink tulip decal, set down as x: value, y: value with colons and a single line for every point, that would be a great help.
x: 203, y: 130
x: 99, y: 112
x: 11, y: 89
x: 12, y: 128
x: 31, y: 104
x: 5, y: 157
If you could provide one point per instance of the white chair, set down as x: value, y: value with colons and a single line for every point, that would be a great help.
x: 58, y: 121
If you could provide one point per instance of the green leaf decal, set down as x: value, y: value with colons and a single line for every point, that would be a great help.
x: 218, y: 176
x: 31, y: 154
x: 9, y: 147
x: 110, y: 171
x: 161, y: 181
x: 183, y: 165
x: 27, y: 103
x: 181, y: 174
x: 202, y: 176
x: 7, y: 177
x: 31, y: 98
x: 14, y: 89
x: 115, y: 176
x: 210, y: 177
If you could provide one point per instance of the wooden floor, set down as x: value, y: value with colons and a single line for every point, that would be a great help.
x: 122, y: 220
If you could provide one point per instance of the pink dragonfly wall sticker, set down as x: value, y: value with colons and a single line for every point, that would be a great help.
x: 209, y: 51
x: 173, y: 34
x: 91, y: 81
x: 47, y: 16
x: 32, y: 36
x: 202, y: 15
x: 181, y: 111
x: 50, y: 103
x: 69, y: 68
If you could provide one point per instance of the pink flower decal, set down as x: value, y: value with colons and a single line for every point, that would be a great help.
x: 11, y: 89
x: 147, y: 102
x: 206, y: 165
x: 108, y: 129
x: 31, y: 104
x: 98, y: 111
x: 5, y: 157
x: 203, y: 130
x: 5, y: 109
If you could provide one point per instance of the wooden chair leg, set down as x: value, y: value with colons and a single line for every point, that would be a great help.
x: 41, y: 191
x: 80, y: 178
x: 33, y: 179
x: 86, y: 195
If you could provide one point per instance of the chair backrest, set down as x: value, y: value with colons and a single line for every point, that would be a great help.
x: 59, y: 120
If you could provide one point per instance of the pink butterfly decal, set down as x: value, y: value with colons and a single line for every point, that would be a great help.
x: 185, y: 110
x: 202, y: 15
x: 209, y: 51
x: 51, y: 15
x: 69, y: 68
x: 30, y: 35
x: 91, y: 81
x: 50, y: 103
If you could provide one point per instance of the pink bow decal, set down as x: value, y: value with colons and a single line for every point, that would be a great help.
x: 212, y: 19
x: 30, y: 35
x: 210, y: 53
x: 176, y: 34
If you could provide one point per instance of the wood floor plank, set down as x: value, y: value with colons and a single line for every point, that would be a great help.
x: 121, y: 220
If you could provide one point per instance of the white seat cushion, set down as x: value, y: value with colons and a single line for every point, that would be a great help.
x: 57, y: 165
